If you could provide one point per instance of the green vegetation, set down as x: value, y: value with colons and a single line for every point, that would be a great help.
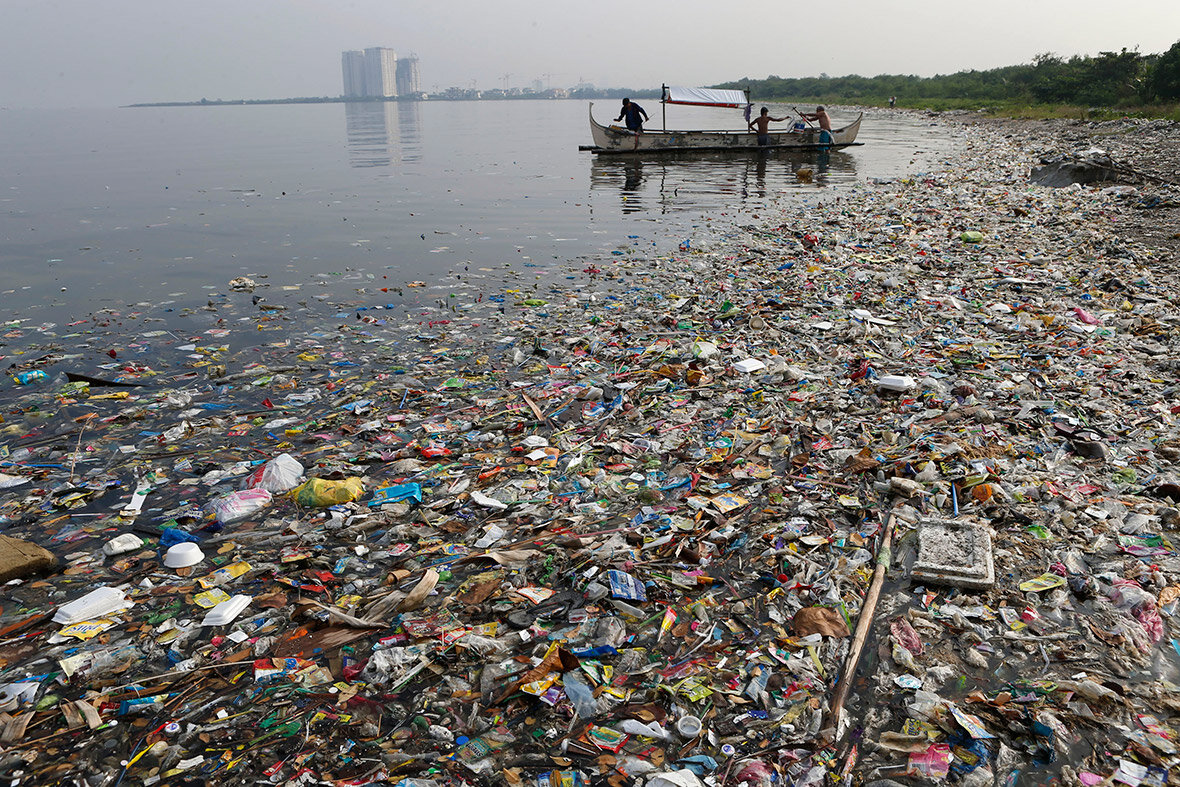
x: 1109, y: 84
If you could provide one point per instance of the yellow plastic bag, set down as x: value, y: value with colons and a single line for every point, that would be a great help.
x: 320, y: 492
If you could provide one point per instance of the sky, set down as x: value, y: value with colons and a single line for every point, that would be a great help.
x: 94, y: 53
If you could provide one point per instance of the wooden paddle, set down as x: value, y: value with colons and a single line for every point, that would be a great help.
x: 800, y: 114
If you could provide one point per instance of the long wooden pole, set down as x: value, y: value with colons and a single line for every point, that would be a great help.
x: 863, y: 625
x: 800, y: 114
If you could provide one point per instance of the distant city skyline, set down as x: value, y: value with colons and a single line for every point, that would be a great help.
x: 61, y: 53
x: 377, y: 72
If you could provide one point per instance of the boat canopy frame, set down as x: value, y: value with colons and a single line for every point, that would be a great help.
x: 703, y: 97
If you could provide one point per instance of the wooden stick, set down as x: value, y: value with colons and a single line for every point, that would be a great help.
x: 863, y: 625
x: 800, y: 114
x: 1117, y: 167
x: 536, y: 410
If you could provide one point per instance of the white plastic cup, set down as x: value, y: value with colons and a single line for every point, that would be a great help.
x: 689, y: 726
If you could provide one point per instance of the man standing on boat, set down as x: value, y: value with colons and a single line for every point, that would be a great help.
x: 825, y: 123
x: 763, y: 124
x: 632, y: 111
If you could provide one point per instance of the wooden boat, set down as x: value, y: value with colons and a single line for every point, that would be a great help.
x: 617, y: 139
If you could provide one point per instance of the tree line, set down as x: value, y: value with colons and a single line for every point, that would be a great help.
x: 1109, y: 79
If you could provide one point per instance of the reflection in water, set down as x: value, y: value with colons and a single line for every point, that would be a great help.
x: 823, y: 162
x: 760, y: 174
x: 685, y: 181
x: 632, y: 179
x: 409, y: 124
x: 378, y: 139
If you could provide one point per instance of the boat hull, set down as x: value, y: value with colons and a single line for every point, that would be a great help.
x: 615, y: 139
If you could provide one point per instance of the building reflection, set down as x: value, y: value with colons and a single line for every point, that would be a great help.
x: 382, y: 133
x: 409, y: 124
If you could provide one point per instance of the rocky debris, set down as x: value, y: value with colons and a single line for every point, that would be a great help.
x: 1066, y: 170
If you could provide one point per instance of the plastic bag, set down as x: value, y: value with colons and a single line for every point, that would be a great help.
x: 234, y: 506
x: 704, y: 350
x: 281, y: 474
x: 320, y: 492
x: 29, y: 377
x: 580, y: 694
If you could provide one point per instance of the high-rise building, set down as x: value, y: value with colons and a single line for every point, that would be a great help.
x: 407, y: 76
x: 380, y: 72
x: 352, y: 63
x: 377, y: 73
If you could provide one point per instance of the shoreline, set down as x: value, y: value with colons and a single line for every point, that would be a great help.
x: 524, y: 450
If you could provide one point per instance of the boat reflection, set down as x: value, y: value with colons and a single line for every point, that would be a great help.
x: 382, y: 133
x: 688, y: 181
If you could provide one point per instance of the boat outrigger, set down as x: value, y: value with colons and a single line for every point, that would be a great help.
x: 802, y: 136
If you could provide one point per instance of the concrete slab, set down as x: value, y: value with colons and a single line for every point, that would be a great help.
x: 958, y: 554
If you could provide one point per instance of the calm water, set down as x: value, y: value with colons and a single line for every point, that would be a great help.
x: 112, y: 208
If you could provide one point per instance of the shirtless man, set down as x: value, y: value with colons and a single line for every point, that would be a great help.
x: 825, y: 123
x: 763, y: 124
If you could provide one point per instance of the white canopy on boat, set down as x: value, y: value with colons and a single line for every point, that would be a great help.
x: 705, y: 97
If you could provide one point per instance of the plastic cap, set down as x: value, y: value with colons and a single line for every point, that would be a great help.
x: 183, y: 555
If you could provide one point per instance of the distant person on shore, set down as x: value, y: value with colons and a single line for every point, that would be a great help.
x: 763, y: 124
x: 820, y: 115
x: 631, y: 111
x: 892, y: 101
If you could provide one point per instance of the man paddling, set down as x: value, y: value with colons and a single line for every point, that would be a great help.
x: 763, y: 124
x: 632, y: 111
x: 825, y: 123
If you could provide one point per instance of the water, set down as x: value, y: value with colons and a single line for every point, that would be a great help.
x: 161, y: 207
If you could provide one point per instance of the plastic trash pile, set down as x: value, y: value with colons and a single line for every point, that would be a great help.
x: 619, y: 528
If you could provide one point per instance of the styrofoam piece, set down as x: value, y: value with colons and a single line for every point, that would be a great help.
x: 226, y: 611
x: 747, y: 365
x: 867, y: 316
x: 681, y: 778
x: 487, y: 502
x: 95, y: 604
x: 183, y: 555
x: 128, y: 542
x: 897, y: 382
x: 954, y: 553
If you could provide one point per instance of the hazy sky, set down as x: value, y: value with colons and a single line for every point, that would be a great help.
x: 109, y: 52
